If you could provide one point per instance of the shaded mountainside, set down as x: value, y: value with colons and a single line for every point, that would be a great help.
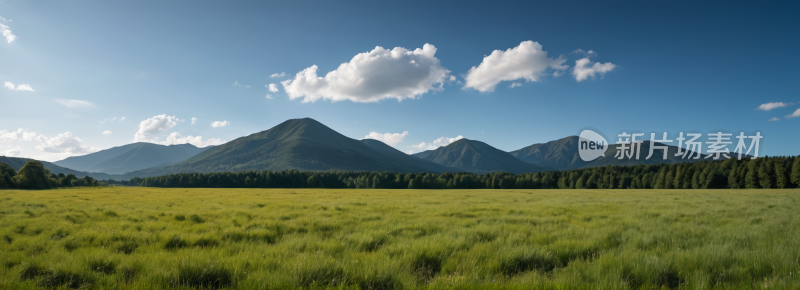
x: 421, y: 154
x: 478, y: 157
x: 302, y: 144
x: 17, y: 163
x: 131, y: 157
x: 563, y: 154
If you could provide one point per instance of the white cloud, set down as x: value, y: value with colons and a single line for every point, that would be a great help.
x: 74, y: 103
x: 149, y: 128
x: 515, y: 84
x: 194, y: 120
x: 122, y: 119
x: 439, y: 142
x: 392, y: 139
x: 584, y: 69
x: 586, y: 53
x: 218, y: 124
x: 20, y: 87
x: 14, y: 152
x: 774, y: 119
x: 177, y: 138
x: 527, y: 61
x: 268, y: 96
x: 10, y: 37
x: 111, y: 120
x: 272, y: 88
x: 236, y: 83
x: 107, y: 132
x: 773, y: 105
x: 278, y: 75
x: 20, y: 134
x: 794, y: 115
x: 64, y: 143
x: 372, y: 76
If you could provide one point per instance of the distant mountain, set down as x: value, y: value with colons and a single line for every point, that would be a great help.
x: 17, y: 163
x: 563, y: 154
x: 559, y: 154
x: 478, y: 157
x: 131, y: 157
x: 302, y: 144
x: 421, y: 154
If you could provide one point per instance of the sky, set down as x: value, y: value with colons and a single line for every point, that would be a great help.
x: 83, y: 76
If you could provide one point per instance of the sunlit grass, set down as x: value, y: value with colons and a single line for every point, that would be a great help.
x: 150, y: 238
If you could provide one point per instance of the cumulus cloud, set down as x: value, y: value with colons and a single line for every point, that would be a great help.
x: 584, y: 69
x: 20, y: 134
x: 773, y: 105
x: 272, y: 88
x: 278, y: 75
x: 236, y: 83
x: 439, y: 142
x: 20, y: 87
x: 74, y: 103
x: 107, y: 132
x: 218, y: 124
x: 177, y: 138
x: 774, y: 119
x: 794, y: 115
x: 372, y: 76
x: 10, y: 37
x: 525, y: 62
x: 194, y: 120
x: 64, y: 143
x: 391, y: 139
x: 150, y: 128
x: 14, y: 152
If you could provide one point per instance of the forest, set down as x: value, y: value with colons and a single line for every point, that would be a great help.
x: 766, y: 172
x: 33, y: 175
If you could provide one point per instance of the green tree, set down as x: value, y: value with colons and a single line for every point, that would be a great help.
x: 33, y: 175
x: 796, y: 171
x: 7, y: 174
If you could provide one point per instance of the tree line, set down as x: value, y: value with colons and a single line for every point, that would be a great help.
x: 33, y: 175
x: 766, y: 172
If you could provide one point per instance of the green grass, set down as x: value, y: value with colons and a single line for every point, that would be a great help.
x: 151, y: 238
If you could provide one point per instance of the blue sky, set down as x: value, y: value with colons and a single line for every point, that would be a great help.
x: 653, y: 67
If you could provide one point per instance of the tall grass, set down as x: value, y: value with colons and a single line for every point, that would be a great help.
x: 150, y: 238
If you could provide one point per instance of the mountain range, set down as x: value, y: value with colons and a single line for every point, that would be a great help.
x: 131, y: 157
x: 305, y: 144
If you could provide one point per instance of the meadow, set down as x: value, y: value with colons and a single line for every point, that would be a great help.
x: 155, y: 238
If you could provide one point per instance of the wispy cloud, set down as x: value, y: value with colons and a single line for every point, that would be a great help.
x: 107, y: 132
x: 794, y: 115
x: 278, y: 75
x: 194, y: 120
x: 585, y: 69
x: 236, y: 83
x: 74, y: 103
x: 439, y: 142
x: 219, y: 124
x: 774, y: 119
x: 20, y: 87
x: 773, y: 105
x: 10, y: 37
x: 389, y: 138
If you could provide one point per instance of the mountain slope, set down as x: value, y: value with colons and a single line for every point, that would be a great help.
x: 421, y: 154
x: 478, y: 157
x: 563, y: 154
x: 302, y: 144
x: 17, y: 163
x: 131, y: 157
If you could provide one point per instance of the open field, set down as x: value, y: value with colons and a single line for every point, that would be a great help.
x: 148, y: 238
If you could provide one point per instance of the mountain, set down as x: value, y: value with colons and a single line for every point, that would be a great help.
x: 563, y: 154
x: 17, y: 163
x: 302, y: 144
x: 559, y: 154
x: 131, y: 157
x: 478, y: 157
x: 421, y: 154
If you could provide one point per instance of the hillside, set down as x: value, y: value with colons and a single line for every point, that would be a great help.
x: 131, y: 157
x: 17, y: 163
x: 478, y: 157
x: 302, y: 144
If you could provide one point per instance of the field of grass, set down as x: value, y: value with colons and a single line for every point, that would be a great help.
x: 152, y: 238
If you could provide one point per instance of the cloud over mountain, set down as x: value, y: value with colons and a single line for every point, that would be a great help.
x: 372, y: 76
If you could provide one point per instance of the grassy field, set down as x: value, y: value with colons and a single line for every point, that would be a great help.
x: 150, y: 238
